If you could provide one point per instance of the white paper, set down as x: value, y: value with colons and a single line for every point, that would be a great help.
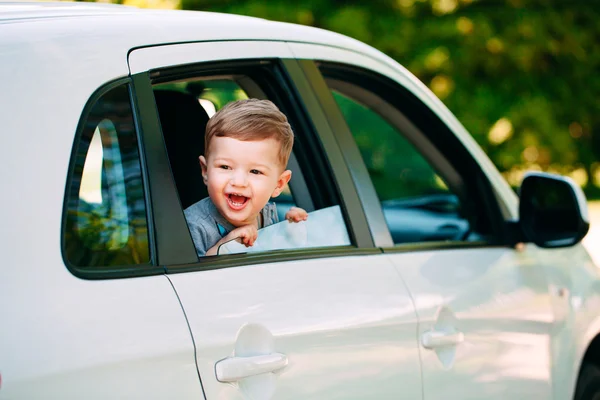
x: 323, y: 228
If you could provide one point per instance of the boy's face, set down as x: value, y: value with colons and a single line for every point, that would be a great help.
x: 241, y: 176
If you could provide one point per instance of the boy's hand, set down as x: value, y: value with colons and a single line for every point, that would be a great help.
x: 296, y: 214
x: 245, y: 234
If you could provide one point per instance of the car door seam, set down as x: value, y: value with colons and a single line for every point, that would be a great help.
x: 191, y: 334
x: 418, y: 329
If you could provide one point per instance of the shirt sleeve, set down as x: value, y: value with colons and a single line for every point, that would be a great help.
x: 270, y: 214
x: 199, y: 236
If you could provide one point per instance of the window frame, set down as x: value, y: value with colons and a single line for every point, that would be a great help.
x: 108, y: 272
x: 364, y: 78
x: 286, y: 86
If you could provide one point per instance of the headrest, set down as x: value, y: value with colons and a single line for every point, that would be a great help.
x: 183, y: 122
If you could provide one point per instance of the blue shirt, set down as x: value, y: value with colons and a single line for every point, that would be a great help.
x: 207, y: 226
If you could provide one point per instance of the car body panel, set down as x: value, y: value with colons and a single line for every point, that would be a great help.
x: 346, y: 324
x: 68, y: 338
x: 498, y: 299
x: 573, y: 280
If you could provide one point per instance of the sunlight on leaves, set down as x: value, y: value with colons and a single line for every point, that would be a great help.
x: 442, y: 86
x: 441, y: 7
x: 500, y: 132
x: 159, y: 4
x: 464, y: 25
x: 437, y: 59
x: 494, y: 45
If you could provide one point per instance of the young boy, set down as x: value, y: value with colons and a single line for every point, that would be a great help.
x: 247, y: 147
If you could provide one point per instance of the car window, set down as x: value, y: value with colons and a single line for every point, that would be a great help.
x: 106, y: 222
x: 184, y: 108
x: 417, y: 203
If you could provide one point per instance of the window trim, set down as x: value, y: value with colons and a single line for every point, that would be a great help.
x: 274, y: 256
x: 109, y: 272
x: 479, y: 181
x: 359, y: 177
x: 173, y: 244
x: 290, y: 89
x: 330, y: 148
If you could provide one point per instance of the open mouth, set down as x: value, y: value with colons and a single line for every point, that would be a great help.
x: 236, y: 201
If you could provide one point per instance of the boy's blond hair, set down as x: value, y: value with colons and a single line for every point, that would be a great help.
x: 250, y: 120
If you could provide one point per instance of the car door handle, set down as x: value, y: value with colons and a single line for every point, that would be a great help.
x: 435, y: 339
x: 235, y: 368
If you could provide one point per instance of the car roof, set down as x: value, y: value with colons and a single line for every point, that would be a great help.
x: 10, y: 11
x: 144, y: 27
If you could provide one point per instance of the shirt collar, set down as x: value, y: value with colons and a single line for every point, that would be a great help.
x: 221, y: 222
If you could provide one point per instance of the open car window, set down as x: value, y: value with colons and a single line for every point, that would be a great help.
x: 185, y: 105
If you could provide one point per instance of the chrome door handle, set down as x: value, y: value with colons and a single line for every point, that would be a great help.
x: 235, y: 368
x: 435, y: 339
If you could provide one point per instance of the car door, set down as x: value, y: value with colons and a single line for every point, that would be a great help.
x: 484, y: 306
x: 326, y: 323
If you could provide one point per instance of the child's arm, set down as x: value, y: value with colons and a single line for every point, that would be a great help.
x: 247, y: 235
x: 296, y: 214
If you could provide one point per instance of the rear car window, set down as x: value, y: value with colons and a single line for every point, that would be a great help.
x: 185, y: 106
x: 106, y: 221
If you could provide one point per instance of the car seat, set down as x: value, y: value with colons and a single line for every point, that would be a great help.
x: 183, y: 122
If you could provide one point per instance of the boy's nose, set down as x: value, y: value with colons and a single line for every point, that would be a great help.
x: 239, y: 179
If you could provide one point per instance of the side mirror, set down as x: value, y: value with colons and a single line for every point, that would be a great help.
x: 552, y: 211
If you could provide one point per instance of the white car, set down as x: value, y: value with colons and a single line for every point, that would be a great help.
x: 451, y: 287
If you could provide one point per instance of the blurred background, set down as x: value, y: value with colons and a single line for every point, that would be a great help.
x: 521, y: 75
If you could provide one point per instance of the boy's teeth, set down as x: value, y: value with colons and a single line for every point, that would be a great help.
x: 237, y: 200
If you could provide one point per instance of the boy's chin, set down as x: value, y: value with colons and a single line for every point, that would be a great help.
x: 235, y: 220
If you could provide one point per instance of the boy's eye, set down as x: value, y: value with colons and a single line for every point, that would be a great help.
x: 224, y: 166
x: 255, y: 172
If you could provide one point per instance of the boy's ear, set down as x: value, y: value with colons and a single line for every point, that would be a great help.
x: 204, y: 169
x: 284, y: 178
